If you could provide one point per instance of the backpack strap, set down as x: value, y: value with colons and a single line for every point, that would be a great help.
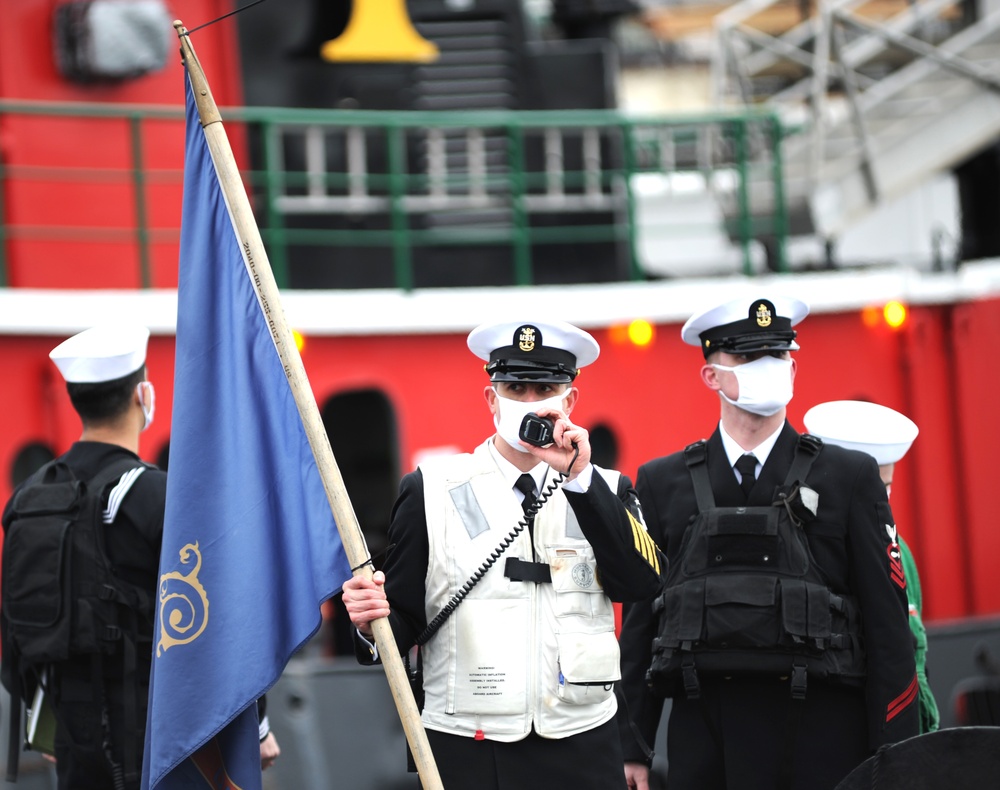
x: 696, y: 458
x: 127, y: 473
x: 806, y: 451
x: 130, y: 684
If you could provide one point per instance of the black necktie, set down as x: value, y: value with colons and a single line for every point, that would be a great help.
x: 526, y: 485
x: 746, y: 465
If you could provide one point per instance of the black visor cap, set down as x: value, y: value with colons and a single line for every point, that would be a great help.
x: 504, y: 370
x: 749, y: 342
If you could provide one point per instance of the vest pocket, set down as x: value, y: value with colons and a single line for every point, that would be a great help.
x: 577, y: 587
x: 589, y: 666
x: 740, y: 611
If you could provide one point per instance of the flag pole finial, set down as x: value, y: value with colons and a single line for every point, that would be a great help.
x: 208, y: 111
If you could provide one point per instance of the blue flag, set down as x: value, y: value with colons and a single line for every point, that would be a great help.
x: 250, y: 547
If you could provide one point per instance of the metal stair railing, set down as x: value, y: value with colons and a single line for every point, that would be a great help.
x: 928, y: 60
x: 796, y: 44
x: 839, y: 50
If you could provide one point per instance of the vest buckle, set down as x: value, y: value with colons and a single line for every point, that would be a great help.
x: 689, y: 676
x: 799, y: 676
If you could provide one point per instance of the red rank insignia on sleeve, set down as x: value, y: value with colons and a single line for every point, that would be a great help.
x: 895, y: 558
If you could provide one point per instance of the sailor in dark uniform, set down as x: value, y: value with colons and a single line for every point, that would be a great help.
x: 782, y: 633
x: 518, y: 679
x: 102, y: 714
x: 99, y: 735
x: 886, y: 435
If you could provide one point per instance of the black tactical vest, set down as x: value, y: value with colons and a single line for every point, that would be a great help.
x: 745, y: 595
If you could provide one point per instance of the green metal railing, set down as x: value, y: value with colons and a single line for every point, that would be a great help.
x: 400, y: 184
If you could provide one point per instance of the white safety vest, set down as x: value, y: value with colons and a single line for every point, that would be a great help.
x: 513, y: 655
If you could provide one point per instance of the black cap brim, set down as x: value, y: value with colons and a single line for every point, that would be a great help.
x: 752, y: 344
x: 505, y: 370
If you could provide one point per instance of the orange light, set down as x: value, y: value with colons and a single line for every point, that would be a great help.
x: 300, y: 341
x: 871, y: 316
x: 640, y: 332
x: 895, y: 314
x: 618, y: 333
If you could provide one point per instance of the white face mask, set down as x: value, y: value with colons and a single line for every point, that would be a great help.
x: 146, y: 413
x: 508, y: 421
x: 765, y: 385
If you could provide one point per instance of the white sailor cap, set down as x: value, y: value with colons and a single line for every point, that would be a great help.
x: 102, y: 353
x: 877, y: 430
x: 742, y: 326
x: 543, y: 351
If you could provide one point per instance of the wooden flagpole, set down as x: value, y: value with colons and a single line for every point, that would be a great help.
x: 259, y: 270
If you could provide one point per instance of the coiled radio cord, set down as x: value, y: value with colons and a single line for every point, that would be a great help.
x: 452, y: 605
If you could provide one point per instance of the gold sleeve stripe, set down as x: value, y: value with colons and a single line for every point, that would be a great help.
x: 644, y: 544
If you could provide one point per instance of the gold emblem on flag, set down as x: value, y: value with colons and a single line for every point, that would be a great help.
x: 763, y: 315
x: 526, y: 339
x: 183, y: 603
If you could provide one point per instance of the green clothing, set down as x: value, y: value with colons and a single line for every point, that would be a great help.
x: 930, y: 719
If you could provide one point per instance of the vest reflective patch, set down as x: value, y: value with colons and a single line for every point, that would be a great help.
x: 573, y: 529
x: 473, y: 518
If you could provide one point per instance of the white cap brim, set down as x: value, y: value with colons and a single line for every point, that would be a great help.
x: 101, y: 353
x: 883, y: 433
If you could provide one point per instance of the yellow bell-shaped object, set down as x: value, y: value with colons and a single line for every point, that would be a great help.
x: 379, y: 30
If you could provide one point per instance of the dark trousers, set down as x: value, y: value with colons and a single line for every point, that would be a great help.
x: 591, y: 760
x: 749, y: 743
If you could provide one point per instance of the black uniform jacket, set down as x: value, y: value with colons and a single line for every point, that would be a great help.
x: 625, y: 572
x: 849, y: 541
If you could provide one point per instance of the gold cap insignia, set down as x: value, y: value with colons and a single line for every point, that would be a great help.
x: 763, y: 315
x: 526, y: 338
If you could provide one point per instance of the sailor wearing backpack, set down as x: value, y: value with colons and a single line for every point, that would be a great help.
x: 80, y: 563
